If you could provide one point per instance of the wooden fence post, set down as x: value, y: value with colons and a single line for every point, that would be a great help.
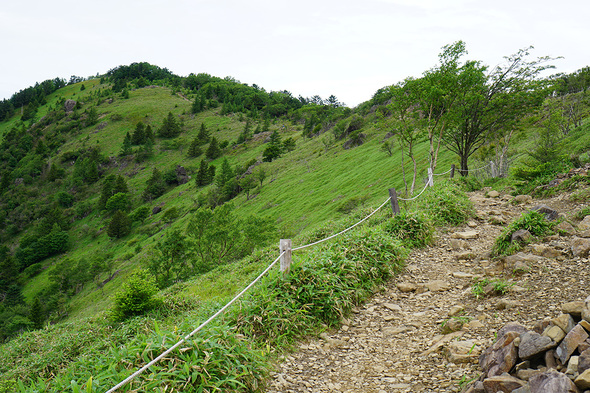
x: 285, y: 245
x: 394, y: 201
x: 452, y: 171
x: 430, y: 178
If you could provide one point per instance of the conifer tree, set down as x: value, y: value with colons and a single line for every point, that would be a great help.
x: 203, y: 135
x: 149, y: 134
x: 170, y: 127
x: 202, y: 178
x: 36, y: 314
x: 194, y: 150
x: 126, y: 147
x: 120, y: 225
x: 138, y: 137
x: 225, y: 174
x: 155, y: 186
x: 213, y: 151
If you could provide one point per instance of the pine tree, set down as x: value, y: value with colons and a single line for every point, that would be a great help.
x: 120, y: 186
x: 120, y: 225
x: 138, y: 137
x: 149, y: 134
x: 213, y: 151
x: 197, y: 105
x: 194, y: 150
x: 202, y: 178
x: 108, y: 186
x: 170, y: 127
x: 203, y: 135
x: 225, y: 174
x: 126, y: 147
x: 155, y: 186
x: 274, y: 149
x: 36, y: 314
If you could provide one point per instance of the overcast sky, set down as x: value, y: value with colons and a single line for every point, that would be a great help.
x: 345, y: 48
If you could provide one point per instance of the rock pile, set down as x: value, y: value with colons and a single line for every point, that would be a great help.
x: 553, y: 357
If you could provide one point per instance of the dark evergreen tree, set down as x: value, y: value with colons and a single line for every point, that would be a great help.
x: 120, y: 225
x: 224, y: 175
x: 120, y: 185
x: 36, y: 314
x: 149, y: 134
x: 202, y: 178
x: 126, y: 147
x: 155, y: 186
x: 203, y: 135
x: 194, y: 150
x: 198, y: 105
x: 138, y: 137
x: 274, y: 148
x: 213, y: 151
x: 170, y: 127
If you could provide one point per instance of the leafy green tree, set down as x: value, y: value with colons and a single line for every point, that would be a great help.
x: 119, y: 201
x: 213, y: 151
x: 155, y: 186
x: 248, y: 183
x: 260, y: 174
x: 120, y: 225
x: 172, y: 261
x: 492, y: 103
x: 170, y: 127
x: 214, y: 236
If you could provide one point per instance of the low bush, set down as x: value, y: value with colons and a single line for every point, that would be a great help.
x: 532, y: 221
x: 135, y: 297
x: 414, y: 229
x: 446, y: 204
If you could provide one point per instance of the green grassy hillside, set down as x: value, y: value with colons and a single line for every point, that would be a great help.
x: 61, y: 263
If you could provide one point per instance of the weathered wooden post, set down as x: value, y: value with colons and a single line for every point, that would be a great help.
x: 430, y: 178
x: 285, y: 246
x: 394, y: 201
x: 493, y: 169
x: 452, y: 171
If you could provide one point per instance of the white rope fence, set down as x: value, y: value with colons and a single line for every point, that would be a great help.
x: 239, y: 295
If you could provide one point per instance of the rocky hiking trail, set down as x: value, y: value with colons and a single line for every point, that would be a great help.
x: 425, y: 330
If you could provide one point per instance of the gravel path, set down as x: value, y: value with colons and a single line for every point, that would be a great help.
x: 395, y: 342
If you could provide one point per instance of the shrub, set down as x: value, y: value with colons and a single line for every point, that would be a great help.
x: 414, y: 229
x: 446, y: 204
x: 135, y: 297
x: 322, y: 288
x: 532, y: 221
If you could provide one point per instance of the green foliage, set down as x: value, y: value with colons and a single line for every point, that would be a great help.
x: 482, y: 286
x: 135, y: 297
x: 64, y: 199
x: 413, y: 229
x: 170, y: 127
x: 140, y: 214
x: 120, y: 225
x: 446, y: 204
x: 119, y: 201
x: 213, y: 150
x: 205, y: 174
x: 352, y: 203
x: 194, y: 150
x: 321, y: 289
x: 155, y: 186
x: 532, y: 221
